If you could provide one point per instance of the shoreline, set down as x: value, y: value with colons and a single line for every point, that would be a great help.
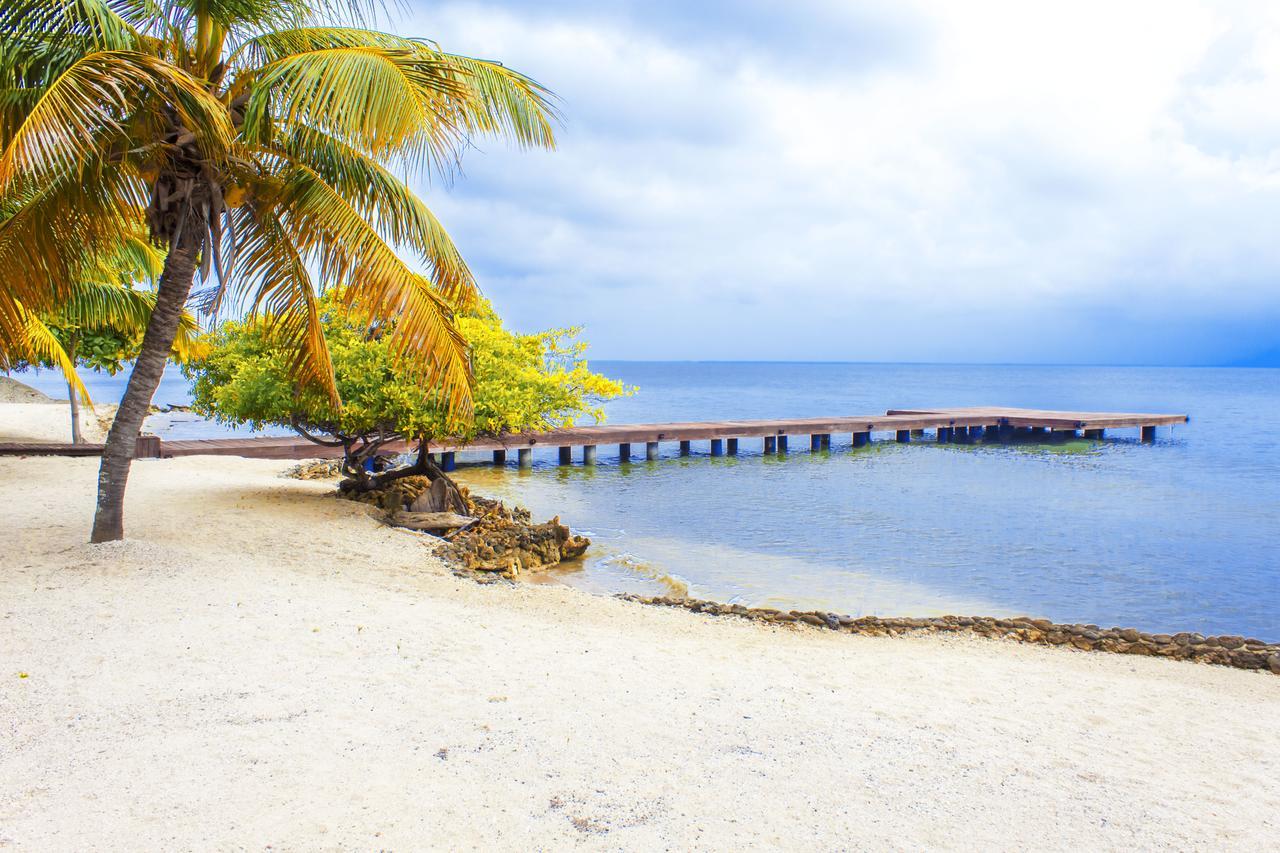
x: 1221, y: 650
x: 262, y: 664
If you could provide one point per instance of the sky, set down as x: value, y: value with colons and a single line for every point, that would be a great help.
x: 835, y: 180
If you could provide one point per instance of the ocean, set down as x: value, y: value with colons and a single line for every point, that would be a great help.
x: 1179, y: 535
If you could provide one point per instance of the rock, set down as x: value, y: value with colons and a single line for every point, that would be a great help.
x: 1273, y: 663
x: 1129, y: 635
x: 434, y: 499
x: 315, y: 469
x: 1230, y: 641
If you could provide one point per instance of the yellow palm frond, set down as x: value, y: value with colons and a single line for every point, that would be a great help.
x: 272, y: 274
x: 350, y: 254
x: 44, y: 244
x: 503, y: 102
x: 41, y: 345
x: 386, y: 202
x: 84, y: 111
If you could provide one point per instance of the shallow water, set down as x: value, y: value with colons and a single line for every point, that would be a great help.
x: 1179, y: 535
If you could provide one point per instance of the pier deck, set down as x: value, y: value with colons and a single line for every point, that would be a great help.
x: 961, y: 425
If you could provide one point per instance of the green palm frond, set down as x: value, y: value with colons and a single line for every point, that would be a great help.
x: 387, y: 103
x: 96, y: 21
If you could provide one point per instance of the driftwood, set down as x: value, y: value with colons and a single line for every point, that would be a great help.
x: 430, y: 521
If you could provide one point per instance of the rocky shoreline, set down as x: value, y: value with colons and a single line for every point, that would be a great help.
x: 1224, y: 650
x: 505, y: 543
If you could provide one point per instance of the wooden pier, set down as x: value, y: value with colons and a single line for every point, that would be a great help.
x: 962, y: 426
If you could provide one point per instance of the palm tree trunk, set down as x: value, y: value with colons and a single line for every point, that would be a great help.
x: 76, y: 436
x: 122, y: 440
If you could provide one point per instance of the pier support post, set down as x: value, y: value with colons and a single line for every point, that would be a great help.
x: 499, y: 457
x: 960, y: 435
x: 1095, y: 434
x: 624, y: 452
x: 1061, y: 435
x: 685, y: 448
x: 944, y: 435
x: 861, y: 439
x: 1004, y: 433
x: 815, y: 443
x: 717, y: 447
x: 1148, y: 434
x: 524, y: 457
x: 782, y: 444
x: 770, y: 444
x: 826, y: 441
x: 566, y: 455
x: 588, y: 454
x: 651, y: 451
x: 904, y: 436
x: 976, y: 434
x: 448, y: 461
x: 733, y: 447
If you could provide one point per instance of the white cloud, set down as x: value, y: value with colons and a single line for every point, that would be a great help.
x: 986, y: 180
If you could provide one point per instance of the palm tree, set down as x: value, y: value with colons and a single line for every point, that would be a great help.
x: 256, y: 140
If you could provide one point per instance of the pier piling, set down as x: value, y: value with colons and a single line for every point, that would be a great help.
x: 904, y: 436
x: 770, y: 444
x: 624, y: 452
x: 685, y: 448
x: 1148, y: 434
x: 448, y: 462
x: 733, y: 447
x: 588, y: 454
x: 566, y: 455
x: 524, y: 457
x: 499, y: 457
x: 651, y: 451
x: 717, y: 447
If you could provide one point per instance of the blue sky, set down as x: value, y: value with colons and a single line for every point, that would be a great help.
x: 1030, y: 181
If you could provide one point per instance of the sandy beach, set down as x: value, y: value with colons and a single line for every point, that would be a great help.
x: 262, y: 664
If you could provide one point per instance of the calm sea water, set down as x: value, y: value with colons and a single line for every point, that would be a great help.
x: 1180, y: 535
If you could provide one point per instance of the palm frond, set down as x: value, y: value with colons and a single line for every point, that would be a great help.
x: 45, y: 242
x: 39, y: 344
x: 349, y: 254
x: 503, y: 102
x: 384, y: 102
x: 272, y: 274
x: 83, y: 112
x: 96, y: 21
x: 387, y: 202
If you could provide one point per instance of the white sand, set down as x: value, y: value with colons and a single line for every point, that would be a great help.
x: 29, y: 415
x: 263, y: 665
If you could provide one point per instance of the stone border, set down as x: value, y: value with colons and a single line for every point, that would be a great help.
x: 1226, y: 650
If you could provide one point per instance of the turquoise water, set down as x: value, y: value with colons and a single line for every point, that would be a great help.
x: 1179, y: 535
